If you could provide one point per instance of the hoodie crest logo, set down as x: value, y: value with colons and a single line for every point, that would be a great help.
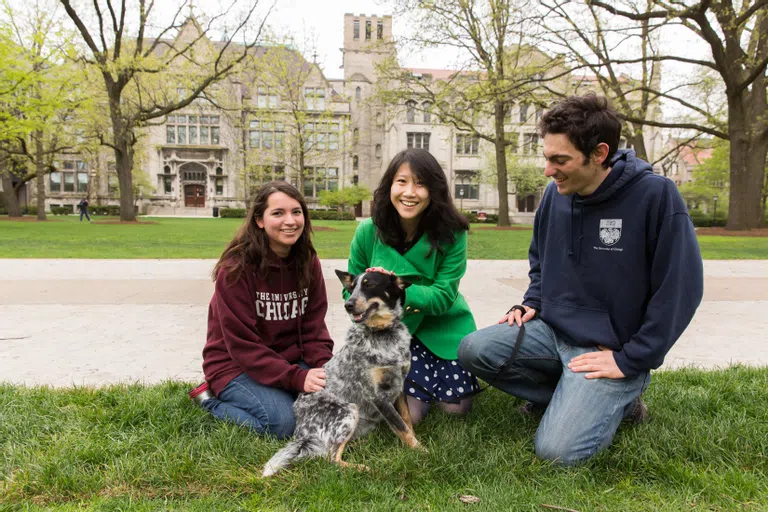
x: 610, y: 231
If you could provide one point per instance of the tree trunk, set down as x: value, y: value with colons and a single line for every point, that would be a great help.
x: 123, y: 144
x: 501, y: 165
x: 124, y: 166
x: 638, y: 144
x: 11, y: 199
x: 747, y: 159
x: 40, y: 172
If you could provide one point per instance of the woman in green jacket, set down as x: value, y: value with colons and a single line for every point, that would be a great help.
x: 415, y: 232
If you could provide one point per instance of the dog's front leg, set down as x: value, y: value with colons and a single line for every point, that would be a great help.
x: 397, y: 423
x: 401, y: 406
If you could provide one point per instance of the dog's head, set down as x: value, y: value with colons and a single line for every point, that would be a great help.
x: 376, y: 299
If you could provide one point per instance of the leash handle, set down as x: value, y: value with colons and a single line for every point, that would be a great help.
x: 520, y: 334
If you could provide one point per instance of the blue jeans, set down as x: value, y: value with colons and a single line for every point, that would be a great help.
x: 581, y: 416
x: 263, y: 409
x: 84, y: 211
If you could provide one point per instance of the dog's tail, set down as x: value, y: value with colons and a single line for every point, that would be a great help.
x: 292, y: 451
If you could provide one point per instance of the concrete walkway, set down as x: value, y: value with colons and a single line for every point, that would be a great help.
x: 95, y: 322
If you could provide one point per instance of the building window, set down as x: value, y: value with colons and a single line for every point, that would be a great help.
x: 530, y: 143
x: 194, y: 176
x: 321, y: 136
x: 113, y: 184
x: 356, y: 29
x: 378, y: 118
x: 355, y: 136
x: 378, y: 150
x: 355, y: 163
x: 82, y: 182
x: 55, y: 182
x: 266, y: 134
x: 167, y: 184
x: 192, y: 129
x: 523, y: 112
x: 380, y: 30
x: 317, y: 179
x: 410, y: 112
x: 467, y: 144
x: 514, y: 142
x: 74, y: 176
x: 539, y: 113
x: 466, y: 185
x: 265, y: 99
x: 219, y: 186
x: 358, y: 93
x: 418, y: 140
x: 314, y: 98
x: 368, y: 30
x: 262, y: 174
x: 69, y: 182
x: 427, y: 107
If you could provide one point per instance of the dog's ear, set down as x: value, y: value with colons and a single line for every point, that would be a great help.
x: 401, y: 283
x: 346, y: 279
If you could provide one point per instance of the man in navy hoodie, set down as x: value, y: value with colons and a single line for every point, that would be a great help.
x: 615, y: 278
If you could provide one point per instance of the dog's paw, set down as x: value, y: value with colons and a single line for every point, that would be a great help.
x: 359, y: 467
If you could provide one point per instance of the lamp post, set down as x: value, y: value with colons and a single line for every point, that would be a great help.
x: 461, y: 198
x: 714, y: 211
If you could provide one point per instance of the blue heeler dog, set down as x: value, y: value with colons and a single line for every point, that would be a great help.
x: 364, y: 380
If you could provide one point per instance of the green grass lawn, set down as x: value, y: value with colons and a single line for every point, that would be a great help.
x: 150, y: 448
x: 66, y: 237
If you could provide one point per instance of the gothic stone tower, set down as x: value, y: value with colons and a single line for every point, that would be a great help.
x: 367, y: 41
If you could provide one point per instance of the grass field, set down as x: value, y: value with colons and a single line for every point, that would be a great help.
x: 149, y: 448
x: 205, y: 238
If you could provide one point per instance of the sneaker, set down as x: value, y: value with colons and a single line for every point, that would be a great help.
x: 639, y: 412
x: 201, y: 393
x: 532, y: 409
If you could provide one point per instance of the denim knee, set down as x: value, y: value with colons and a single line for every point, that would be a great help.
x: 468, y: 352
x: 557, y: 449
x: 282, y: 428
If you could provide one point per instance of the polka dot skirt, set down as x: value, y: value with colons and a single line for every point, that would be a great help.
x: 432, y: 379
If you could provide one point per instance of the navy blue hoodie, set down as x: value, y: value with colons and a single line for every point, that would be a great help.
x: 619, y: 268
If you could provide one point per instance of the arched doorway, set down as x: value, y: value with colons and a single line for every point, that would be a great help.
x: 194, y: 177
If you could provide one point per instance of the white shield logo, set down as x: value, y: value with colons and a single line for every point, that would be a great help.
x: 610, y: 231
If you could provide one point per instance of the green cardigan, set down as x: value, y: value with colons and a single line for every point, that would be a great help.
x: 434, y: 310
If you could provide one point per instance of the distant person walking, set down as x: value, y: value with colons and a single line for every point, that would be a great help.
x: 83, y: 205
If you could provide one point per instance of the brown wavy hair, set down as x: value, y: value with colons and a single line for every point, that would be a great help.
x: 250, y: 245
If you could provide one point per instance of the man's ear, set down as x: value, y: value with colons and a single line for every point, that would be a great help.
x: 401, y: 283
x: 600, y: 153
x: 346, y: 279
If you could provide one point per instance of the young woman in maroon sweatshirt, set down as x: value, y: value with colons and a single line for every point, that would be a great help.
x: 267, y: 339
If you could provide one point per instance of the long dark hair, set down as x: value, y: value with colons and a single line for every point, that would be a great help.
x: 251, y: 243
x: 440, y: 220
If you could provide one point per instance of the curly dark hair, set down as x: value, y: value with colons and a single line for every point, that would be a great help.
x: 587, y: 120
x: 440, y: 220
x: 251, y: 243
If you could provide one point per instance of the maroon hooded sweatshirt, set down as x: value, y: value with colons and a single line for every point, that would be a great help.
x: 264, y: 325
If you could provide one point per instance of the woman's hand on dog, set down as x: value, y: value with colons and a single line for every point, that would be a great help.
x: 517, y: 317
x: 315, y: 380
x: 380, y: 269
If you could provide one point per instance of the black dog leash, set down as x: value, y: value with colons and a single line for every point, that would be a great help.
x: 515, y: 350
x: 520, y: 334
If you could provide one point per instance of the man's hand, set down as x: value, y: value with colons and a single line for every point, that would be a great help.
x: 600, y: 365
x: 517, y: 317
x: 315, y: 380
